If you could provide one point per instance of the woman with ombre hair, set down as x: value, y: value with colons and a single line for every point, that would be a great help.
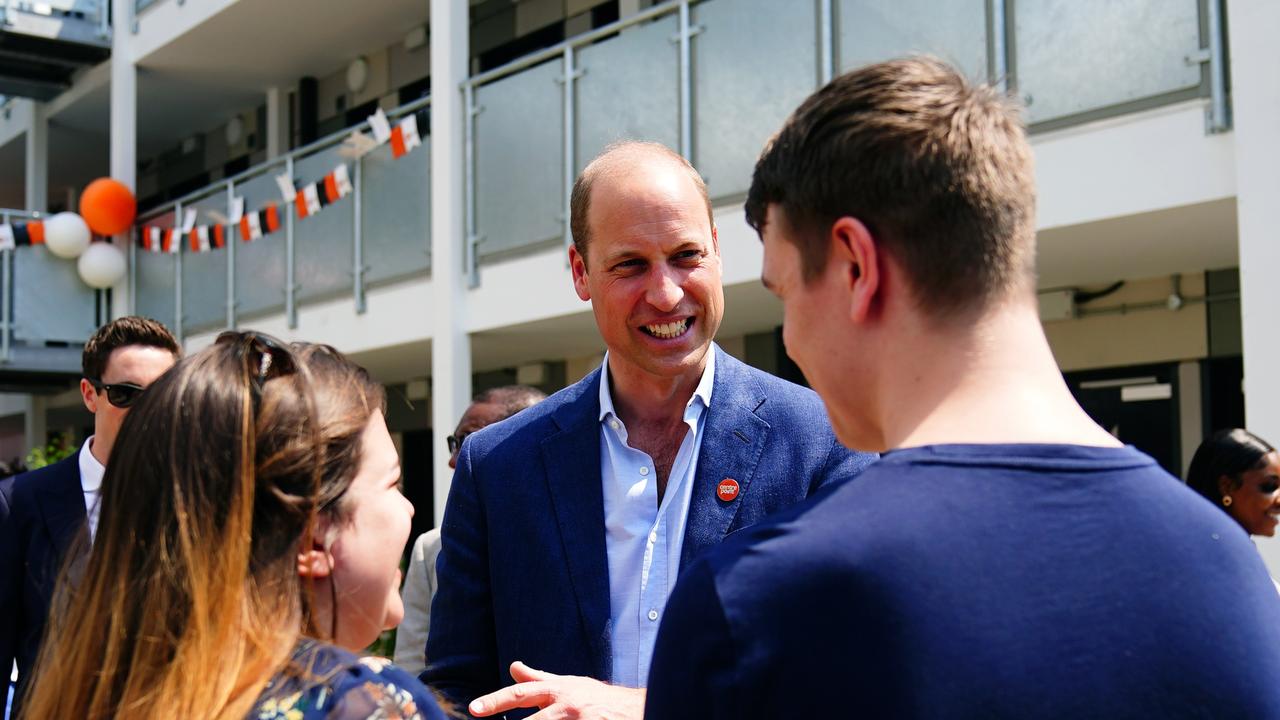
x: 248, y: 548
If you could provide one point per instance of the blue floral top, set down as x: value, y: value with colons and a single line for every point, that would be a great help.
x: 324, y: 681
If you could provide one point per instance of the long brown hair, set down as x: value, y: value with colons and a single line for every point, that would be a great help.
x: 191, y: 600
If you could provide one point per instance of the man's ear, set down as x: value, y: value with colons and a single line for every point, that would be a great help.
x: 89, y: 395
x: 578, y: 266
x: 857, y: 258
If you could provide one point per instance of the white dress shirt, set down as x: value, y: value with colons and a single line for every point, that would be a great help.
x: 643, y: 539
x: 91, y: 472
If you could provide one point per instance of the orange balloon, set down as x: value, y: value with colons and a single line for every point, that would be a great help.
x: 108, y: 207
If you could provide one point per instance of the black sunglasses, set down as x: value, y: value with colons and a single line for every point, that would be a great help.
x: 122, y: 395
x: 455, y: 442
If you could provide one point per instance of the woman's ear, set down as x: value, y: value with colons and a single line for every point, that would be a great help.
x: 316, y: 561
x: 1225, y: 487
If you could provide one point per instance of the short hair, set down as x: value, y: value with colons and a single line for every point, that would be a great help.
x: 511, y: 399
x: 606, y: 162
x: 125, y: 331
x: 1226, y: 453
x: 939, y: 170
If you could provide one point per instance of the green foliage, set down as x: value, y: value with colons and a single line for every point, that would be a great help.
x: 57, y: 449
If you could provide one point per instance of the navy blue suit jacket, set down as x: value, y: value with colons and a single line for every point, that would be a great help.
x: 41, y: 513
x: 523, y: 570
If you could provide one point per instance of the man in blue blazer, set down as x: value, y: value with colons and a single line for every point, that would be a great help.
x: 48, y: 512
x: 567, y: 525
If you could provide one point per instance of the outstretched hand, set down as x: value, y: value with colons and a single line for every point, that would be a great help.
x: 561, y: 697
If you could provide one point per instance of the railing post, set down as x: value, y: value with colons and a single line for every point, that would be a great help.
x: 357, y: 245
x: 177, y: 273
x: 1219, y: 113
x: 470, y: 259
x: 133, y: 271
x: 290, y: 288
x: 826, y: 40
x: 999, y: 45
x: 686, y: 84
x: 230, y: 238
x: 6, y: 300
x: 570, y: 136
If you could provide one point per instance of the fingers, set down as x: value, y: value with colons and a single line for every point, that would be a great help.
x: 523, y: 673
x: 522, y: 695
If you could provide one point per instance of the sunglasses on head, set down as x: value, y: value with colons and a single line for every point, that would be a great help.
x: 122, y: 395
x: 455, y: 442
x: 265, y: 357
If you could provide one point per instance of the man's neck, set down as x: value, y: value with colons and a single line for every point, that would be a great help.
x: 990, y: 380
x: 99, y: 451
x: 641, y: 397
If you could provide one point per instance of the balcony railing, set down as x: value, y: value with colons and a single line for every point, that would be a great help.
x: 378, y: 234
x: 712, y: 79
x: 43, y: 302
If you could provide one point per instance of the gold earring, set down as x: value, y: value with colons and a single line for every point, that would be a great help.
x: 1226, y: 501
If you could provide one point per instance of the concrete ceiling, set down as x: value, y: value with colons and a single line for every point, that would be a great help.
x: 1189, y: 238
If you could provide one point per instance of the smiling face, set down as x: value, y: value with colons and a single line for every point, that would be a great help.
x: 1255, y: 504
x: 366, y: 551
x: 652, y: 271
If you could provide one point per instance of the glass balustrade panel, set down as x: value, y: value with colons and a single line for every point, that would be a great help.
x: 396, y: 211
x: 753, y: 62
x: 519, y: 141
x: 204, y: 274
x: 1078, y: 56
x: 870, y: 31
x: 629, y: 89
x: 260, y: 264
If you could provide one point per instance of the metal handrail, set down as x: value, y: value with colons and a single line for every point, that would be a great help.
x: 262, y: 168
x: 558, y: 50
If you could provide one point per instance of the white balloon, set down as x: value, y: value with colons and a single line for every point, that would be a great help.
x: 66, y: 235
x: 102, y: 265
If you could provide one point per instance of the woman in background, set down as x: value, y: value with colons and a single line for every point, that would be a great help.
x: 249, y: 546
x: 1240, y: 473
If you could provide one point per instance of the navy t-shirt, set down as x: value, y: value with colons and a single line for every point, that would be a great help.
x: 979, y: 581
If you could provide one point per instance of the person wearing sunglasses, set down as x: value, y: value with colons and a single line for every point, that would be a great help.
x: 48, y: 507
x: 249, y: 550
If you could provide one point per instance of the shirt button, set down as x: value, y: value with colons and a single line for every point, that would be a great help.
x: 644, y: 471
x: 613, y: 424
x: 653, y: 614
x: 653, y: 536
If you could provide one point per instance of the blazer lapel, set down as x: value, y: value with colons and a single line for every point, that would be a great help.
x: 62, y: 503
x: 572, y: 461
x: 731, y: 446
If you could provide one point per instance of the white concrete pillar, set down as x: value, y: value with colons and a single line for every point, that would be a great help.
x: 1255, y: 107
x: 35, y: 429
x: 276, y: 144
x: 36, y: 180
x: 450, y: 345
x: 124, y: 130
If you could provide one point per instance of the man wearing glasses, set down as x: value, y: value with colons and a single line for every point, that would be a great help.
x: 42, y: 512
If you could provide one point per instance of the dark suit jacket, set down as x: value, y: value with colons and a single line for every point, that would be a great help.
x: 523, y: 570
x: 41, y: 513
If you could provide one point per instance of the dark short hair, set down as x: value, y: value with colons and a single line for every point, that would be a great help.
x: 939, y: 170
x: 1226, y: 453
x: 580, y: 198
x: 511, y: 399
x: 128, y: 330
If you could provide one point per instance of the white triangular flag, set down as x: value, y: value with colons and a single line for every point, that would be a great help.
x: 236, y: 210
x: 409, y: 127
x: 189, y: 221
x: 6, y: 237
x: 255, y: 226
x: 202, y: 235
x: 156, y: 237
x: 287, y: 190
x: 380, y: 126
